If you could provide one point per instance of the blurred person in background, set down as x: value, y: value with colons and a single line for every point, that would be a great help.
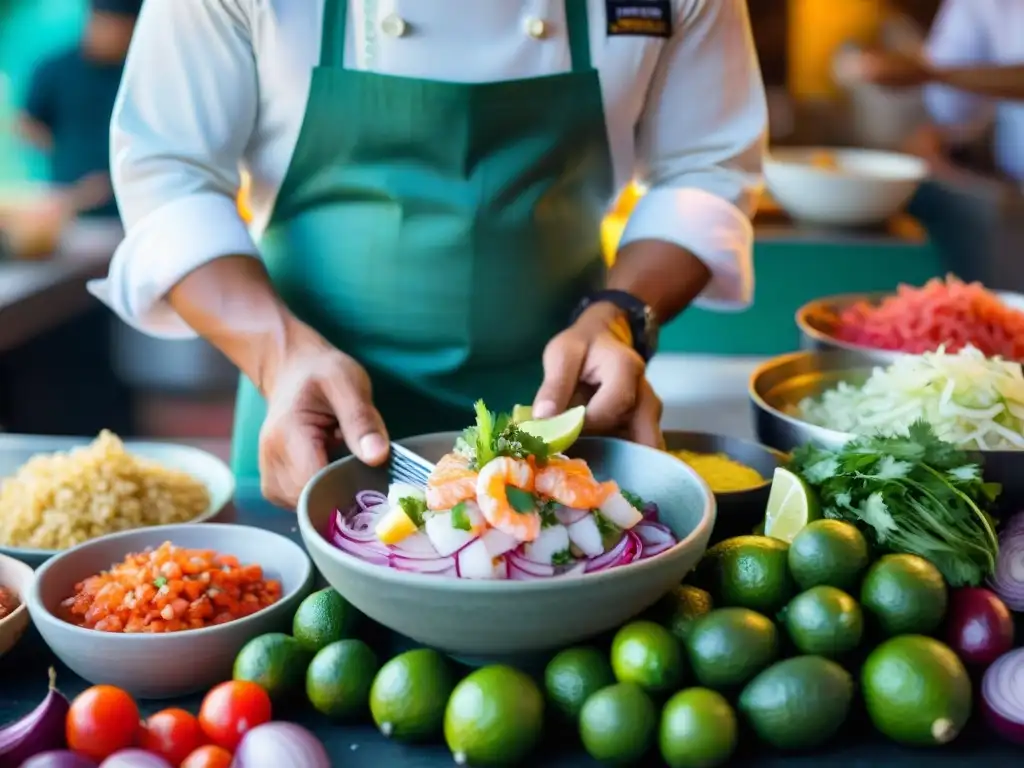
x: 972, y: 70
x: 67, y: 113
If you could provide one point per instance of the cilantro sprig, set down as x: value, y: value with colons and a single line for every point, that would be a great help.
x: 496, y: 435
x: 910, y: 493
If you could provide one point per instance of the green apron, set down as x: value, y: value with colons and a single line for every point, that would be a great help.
x: 439, y: 233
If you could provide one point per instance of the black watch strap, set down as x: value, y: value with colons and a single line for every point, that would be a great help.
x: 643, y: 325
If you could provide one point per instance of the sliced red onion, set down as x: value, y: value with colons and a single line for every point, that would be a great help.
x: 442, y: 566
x: 626, y: 551
x: 567, y: 516
x: 518, y: 561
x: 576, y: 569
x: 416, y: 546
x: 371, y: 499
x: 655, y: 537
x: 650, y: 511
x: 1002, y: 695
x: 371, y: 553
x: 1008, y: 580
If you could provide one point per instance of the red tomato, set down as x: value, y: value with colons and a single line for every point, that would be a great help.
x: 102, y: 720
x: 231, y: 709
x: 173, y: 734
x: 210, y: 756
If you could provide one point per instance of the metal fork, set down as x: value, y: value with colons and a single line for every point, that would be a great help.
x: 404, y: 466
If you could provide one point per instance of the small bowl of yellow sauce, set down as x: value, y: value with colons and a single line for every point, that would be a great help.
x: 739, y: 473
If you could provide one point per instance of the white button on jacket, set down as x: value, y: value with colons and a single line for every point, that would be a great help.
x: 215, y: 86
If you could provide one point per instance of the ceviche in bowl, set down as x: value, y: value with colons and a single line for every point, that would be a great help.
x: 516, y: 511
x: 513, y: 543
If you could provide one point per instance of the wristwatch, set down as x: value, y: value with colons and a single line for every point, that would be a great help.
x: 643, y: 323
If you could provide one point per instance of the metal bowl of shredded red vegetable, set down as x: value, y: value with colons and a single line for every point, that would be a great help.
x: 531, y: 573
x: 943, y: 312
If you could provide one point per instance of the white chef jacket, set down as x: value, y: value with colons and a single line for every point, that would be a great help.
x: 976, y: 33
x: 214, y: 86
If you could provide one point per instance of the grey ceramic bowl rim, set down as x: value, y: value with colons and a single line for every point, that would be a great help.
x: 22, y: 593
x: 313, y: 537
x: 834, y: 434
x: 40, y: 613
x: 776, y: 454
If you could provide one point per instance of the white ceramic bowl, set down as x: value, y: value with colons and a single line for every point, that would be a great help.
x: 842, y: 187
x: 17, y: 577
x: 159, y: 666
x: 15, y: 450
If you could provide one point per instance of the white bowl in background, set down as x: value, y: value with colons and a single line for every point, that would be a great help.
x: 842, y: 187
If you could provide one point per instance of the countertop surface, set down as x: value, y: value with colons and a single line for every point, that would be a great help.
x: 23, y: 681
x: 38, y: 295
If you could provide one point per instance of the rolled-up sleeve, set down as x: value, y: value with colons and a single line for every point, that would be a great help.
x: 184, y: 114
x: 701, y: 141
x: 957, y: 38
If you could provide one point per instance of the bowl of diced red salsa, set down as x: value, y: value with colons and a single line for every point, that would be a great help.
x: 15, y: 580
x: 162, y: 612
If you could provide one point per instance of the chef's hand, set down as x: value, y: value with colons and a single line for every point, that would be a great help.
x: 594, y: 362
x: 318, y: 398
x: 889, y: 68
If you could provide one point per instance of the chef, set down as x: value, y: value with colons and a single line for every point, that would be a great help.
x: 973, y: 72
x: 428, y: 181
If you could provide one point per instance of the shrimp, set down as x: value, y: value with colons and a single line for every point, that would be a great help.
x: 570, y: 483
x: 451, y: 481
x: 492, y: 496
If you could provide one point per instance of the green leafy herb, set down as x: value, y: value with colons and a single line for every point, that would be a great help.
x: 415, y: 508
x: 496, y: 435
x: 634, y: 500
x: 547, y: 514
x: 460, y: 518
x: 912, y: 493
x: 563, y: 558
x: 604, y: 525
x: 159, y: 582
x: 521, y: 501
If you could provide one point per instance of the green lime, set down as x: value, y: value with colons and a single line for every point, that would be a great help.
x: 573, y: 675
x: 409, y: 694
x: 339, y: 678
x: 649, y: 655
x: 521, y: 413
x: 904, y: 594
x: 731, y: 645
x: 916, y: 690
x: 748, y: 572
x: 323, y: 618
x: 276, y: 662
x: 617, y: 724
x: 495, y: 716
x: 830, y: 553
x: 824, y: 621
x: 558, y: 432
x: 698, y: 730
x: 791, y: 506
x: 679, y: 609
x: 798, y: 703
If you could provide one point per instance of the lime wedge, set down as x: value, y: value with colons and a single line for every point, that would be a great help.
x: 791, y: 506
x: 521, y: 413
x: 558, y: 432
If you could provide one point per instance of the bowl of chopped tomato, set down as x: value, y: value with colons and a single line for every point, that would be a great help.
x: 15, y: 580
x: 163, y: 612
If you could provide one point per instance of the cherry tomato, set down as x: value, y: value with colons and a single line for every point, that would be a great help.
x: 102, y: 720
x: 173, y: 734
x: 210, y: 756
x: 231, y: 709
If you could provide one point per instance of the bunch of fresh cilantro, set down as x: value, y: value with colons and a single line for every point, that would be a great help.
x: 497, y: 435
x: 912, y: 493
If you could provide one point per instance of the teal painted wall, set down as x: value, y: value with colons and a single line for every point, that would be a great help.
x: 30, y: 30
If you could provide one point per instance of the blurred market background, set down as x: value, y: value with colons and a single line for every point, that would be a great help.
x: 68, y: 367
